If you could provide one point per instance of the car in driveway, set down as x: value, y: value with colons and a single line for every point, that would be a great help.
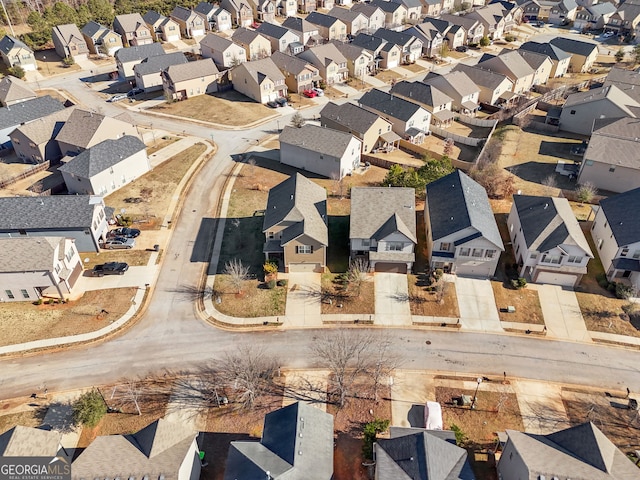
x: 119, y: 243
x: 608, y: 34
x: 272, y: 104
x: 319, y: 92
x: 110, y: 268
x: 310, y: 93
x: 281, y: 101
x: 118, y: 97
x: 124, y: 232
x: 134, y: 92
x: 462, y: 48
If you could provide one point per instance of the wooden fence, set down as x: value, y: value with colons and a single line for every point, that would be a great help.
x: 478, y: 122
x: 27, y: 173
x: 443, y: 132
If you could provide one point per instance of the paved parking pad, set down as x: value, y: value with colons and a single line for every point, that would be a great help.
x: 477, y: 305
x: 392, y: 299
x: 303, y: 300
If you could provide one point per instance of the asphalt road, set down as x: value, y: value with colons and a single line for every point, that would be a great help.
x: 171, y: 337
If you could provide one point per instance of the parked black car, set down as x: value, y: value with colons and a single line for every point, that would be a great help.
x: 462, y: 48
x: 124, y: 232
x: 110, y: 268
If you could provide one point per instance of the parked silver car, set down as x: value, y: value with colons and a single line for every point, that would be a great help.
x: 119, y: 243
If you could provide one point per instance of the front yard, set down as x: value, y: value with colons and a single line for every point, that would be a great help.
x: 526, y: 301
x: 135, y: 258
x: 347, y: 300
x: 255, y: 299
x: 425, y: 302
x: 602, y: 313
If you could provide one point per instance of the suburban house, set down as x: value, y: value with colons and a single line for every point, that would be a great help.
x: 69, y: 42
x: 373, y: 131
x: 295, y: 225
x: 331, y: 64
x: 408, y: 119
x: 411, y: 45
x: 307, y: 32
x: 106, y: 167
x: 223, y: 51
x: 255, y: 45
x: 147, y: 72
x: 559, y: 58
x: 582, y: 451
x: 222, y: 20
x: 432, y: 8
x: 241, y: 11
x: 382, y: 228
x: 191, y: 23
x: 385, y: 54
x: 430, y: 37
x: 626, y: 80
x: 79, y: 217
x: 13, y: 90
x: 127, y: 58
x: 513, y: 66
x: 101, y: 40
x: 625, y: 19
x: 263, y: 10
x: 161, y: 27
x: 563, y: 12
x: 431, y: 453
x: 359, y: 60
x: 462, y: 234
x: 190, y: 79
x: 36, y: 141
x: 281, y: 39
x: 260, y: 80
x: 297, y: 444
x: 437, y: 103
x: 454, y: 35
x: 327, y: 152
x: 541, y: 64
x: 583, y: 53
x: 35, y: 267
x: 491, y: 19
x: 133, y: 29
x: 299, y: 75
x: 473, y: 27
x: 548, y: 243
x: 616, y: 235
x: 15, y: 53
x: 84, y: 129
x: 457, y: 85
x: 354, y: 20
x: 330, y: 28
x: 22, y: 441
x: 163, y: 448
x: 375, y: 15
x: 414, y: 9
x: 206, y: 10
x: 14, y: 116
x: 593, y: 16
x: 395, y: 14
x: 611, y: 161
x: 582, y: 109
x: 287, y: 8
x: 307, y: 6
x: 495, y: 88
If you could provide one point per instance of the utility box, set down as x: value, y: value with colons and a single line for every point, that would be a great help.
x: 511, y: 309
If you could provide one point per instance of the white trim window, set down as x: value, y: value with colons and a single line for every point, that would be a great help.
x: 304, y: 249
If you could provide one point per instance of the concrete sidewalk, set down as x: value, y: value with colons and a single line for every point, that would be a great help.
x: 477, y: 305
x: 561, y: 313
x: 392, y: 299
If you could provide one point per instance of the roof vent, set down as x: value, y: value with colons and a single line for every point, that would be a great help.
x: 292, y: 196
x: 452, y: 219
x: 546, y: 205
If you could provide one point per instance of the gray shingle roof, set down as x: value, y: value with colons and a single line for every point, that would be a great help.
x: 102, y: 156
x: 351, y: 51
x: 458, y: 81
x: 300, y: 201
x: 482, y: 77
x: 31, y: 442
x: 158, y: 63
x: 80, y: 128
x: 55, y: 211
x: 455, y: 203
x: 187, y: 71
x: 388, y: 104
x: 13, y: 89
x: 29, y: 254
x: 8, y: 43
x: 299, y: 25
x: 373, y: 209
x: 467, y: 22
x: 387, y: 6
x: 421, y: 92
x: 579, y: 47
x: 441, y: 25
x: 216, y: 42
x: 369, y: 42
x: 317, y: 139
x: 610, y: 92
x: 153, y: 18
x: 602, y: 9
x: 289, y: 63
x: 512, y: 61
x: 25, y: 112
x: 45, y: 128
x: 258, y: 69
x: 272, y: 30
x: 181, y: 13
x: 548, y: 222
x: 244, y: 35
x: 321, y: 19
x: 534, y: 59
x: 344, y: 14
x: 614, y: 141
x: 140, y: 52
x: 367, y: 9
x: 623, y: 214
x: 92, y: 28
x: 205, y: 8
x: 130, y: 22
x: 399, y: 38
x: 553, y: 52
x: 353, y: 117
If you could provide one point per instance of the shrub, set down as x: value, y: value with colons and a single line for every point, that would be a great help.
x: 282, y: 283
x: 612, y: 287
x: 461, y: 437
x: 371, y: 431
x: 17, y: 71
x: 625, y: 292
x: 601, y: 278
x: 271, y: 284
x: 270, y: 268
x: 68, y: 61
x: 39, y: 301
x: 50, y: 301
x: 518, y: 283
x: 437, y: 274
x: 509, y: 38
x: 89, y: 409
x: 485, y: 41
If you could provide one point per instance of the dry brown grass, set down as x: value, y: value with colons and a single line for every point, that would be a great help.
x: 228, y: 108
x: 52, y: 93
x: 387, y: 76
x: 300, y: 101
x: 135, y: 258
x: 255, y: 300
x: 27, y: 418
x: 424, y: 303
x: 251, y: 188
x: 526, y: 301
x: 160, y: 143
x: 352, y: 302
x: 162, y: 180
x: 605, y: 314
x: 24, y: 322
x: 49, y: 64
x: 415, y: 68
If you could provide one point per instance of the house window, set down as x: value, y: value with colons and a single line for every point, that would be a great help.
x: 624, y: 252
x: 270, y: 235
x: 9, y: 294
x: 464, y: 252
x: 24, y: 293
x: 394, y: 247
x: 304, y: 249
x: 636, y: 254
x: 575, y: 259
x: 477, y: 252
x: 533, y: 256
x: 15, y: 140
x: 444, y: 246
x: 489, y: 253
x: 612, y: 169
x: 589, y: 163
x: 69, y: 255
x: 572, y: 112
x: 366, y: 242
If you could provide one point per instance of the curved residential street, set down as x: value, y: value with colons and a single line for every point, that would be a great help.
x: 171, y: 336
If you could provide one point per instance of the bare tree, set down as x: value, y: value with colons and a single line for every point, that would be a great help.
x: 249, y: 372
x: 132, y: 392
x: 386, y: 360
x: 297, y: 120
x: 550, y: 183
x: 585, y: 192
x: 357, y: 274
x: 439, y: 286
x: 238, y: 273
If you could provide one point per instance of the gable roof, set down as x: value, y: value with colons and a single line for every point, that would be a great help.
x: 601, y: 9
x: 345, y: 14
x: 205, y: 8
x: 8, y: 43
x: 409, y: 3
x: 299, y: 25
x: 317, y: 139
x: 92, y: 28
x: 28, y: 254
x: 352, y: 52
x: 158, y: 63
x: 324, y: 54
x: 482, y: 77
x: 367, y: 9
x: 399, y: 38
x: 467, y: 22
x: 130, y: 22
x: 443, y: 26
x: 623, y: 214
x: 369, y: 42
x: 512, y: 61
x: 217, y: 42
x: 102, y: 156
x: 387, y: 6
x: 55, y: 211
x: 534, y: 59
x: 388, y: 104
x: 421, y: 93
x: 296, y: 444
x: 261, y: 69
x: 548, y: 222
x: 81, y: 127
x: 289, y: 63
x: 351, y: 116
x: 458, y: 81
x: 246, y: 36
x: 552, y: 51
x: 13, y: 89
x: 25, y: 112
x: 578, y: 47
x: 69, y: 33
x: 626, y: 80
x: 298, y: 200
x: 425, y: 31
x: 272, y: 30
x: 139, y: 52
x: 154, y: 18
x: 614, y: 141
x: 28, y: 441
x: 457, y: 202
x: 45, y: 128
x: 609, y: 92
x: 377, y: 211
x: 321, y: 19
x: 190, y: 70
x: 181, y: 13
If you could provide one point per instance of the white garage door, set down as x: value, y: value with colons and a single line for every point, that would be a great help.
x: 392, y: 64
x: 304, y: 267
x: 474, y: 271
x: 562, y: 279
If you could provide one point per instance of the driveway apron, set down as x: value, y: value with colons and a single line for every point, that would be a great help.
x: 562, y: 315
x: 392, y: 299
x: 477, y: 305
x: 303, y: 300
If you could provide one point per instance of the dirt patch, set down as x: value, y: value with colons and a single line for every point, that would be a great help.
x: 425, y: 302
x: 50, y: 63
x: 24, y: 322
x: 607, y: 314
x: 526, y: 301
x: 388, y: 76
x: 300, y: 101
x: 28, y: 418
x: 228, y: 108
x: 345, y: 299
x: 255, y: 300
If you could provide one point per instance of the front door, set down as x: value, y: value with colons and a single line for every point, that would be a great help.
x: 626, y: 274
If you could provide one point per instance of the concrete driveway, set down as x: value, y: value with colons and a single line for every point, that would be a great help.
x: 134, y: 277
x: 410, y: 391
x: 562, y: 314
x: 303, y: 300
x: 392, y: 299
x: 477, y: 305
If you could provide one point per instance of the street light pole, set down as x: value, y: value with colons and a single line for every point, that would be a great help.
x: 475, y: 395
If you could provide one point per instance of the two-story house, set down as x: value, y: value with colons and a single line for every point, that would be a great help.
x: 473, y: 27
x: 430, y: 37
x: 375, y: 15
x: 281, y: 38
x: 206, y: 11
x: 129, y: 57
x: 13, y: 90
x: 395, y: 14
x: 547, y: 241
x: 101, y: 40
x: 223, y: 51
x: 308, y: 6
x: 437, y: 103
x: 133, y: 29
x: 410, y: 44
x: 360, y: 61
x: 191, y: 23
x: 307, y: 32
x: 241, y: 11
x: 147, y: 73
x: 541, y: 64
x: 299, y: 75
x: 461, y: 231
x: 331, y: 64
x: 593, y: 16
x: 559, y: 58
x: 35, y: 142
x: 295, y: 225
x: 382, y: 228
x: 414, y: 9
x: 263, y: 10
x: 190, y: 79
x: 491, y: 18
x: 162, y: 28
x: 69, y: 42
x: 583, y: 53
x: 625, y: 19
x: 330, y: 28
x: 494, y: 88
x: 354, y: 20
x: 385, y: 54
x: 457, y: 85
x: 26, y: 112
x: 260, y: 80
x: 15, y: 53
x: 512, y: 65
x: 563, y: 13
x: 256, y: 45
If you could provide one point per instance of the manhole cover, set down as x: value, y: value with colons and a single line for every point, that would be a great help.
x: 428, y: 342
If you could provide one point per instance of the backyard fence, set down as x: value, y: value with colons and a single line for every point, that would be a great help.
x: 27, y: 173
x: 478, y: 122
x: 443, y: 132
